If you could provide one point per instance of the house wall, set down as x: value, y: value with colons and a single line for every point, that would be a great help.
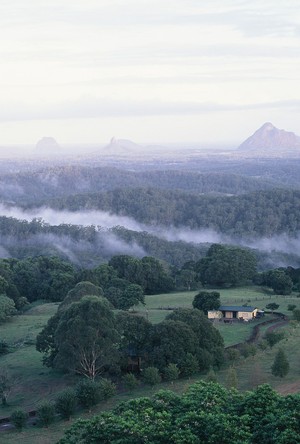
x: 247, y: 314
x: 214, y: 314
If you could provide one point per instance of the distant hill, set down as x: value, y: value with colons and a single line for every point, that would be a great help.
x: 47, y: 146
x: 270, y: 138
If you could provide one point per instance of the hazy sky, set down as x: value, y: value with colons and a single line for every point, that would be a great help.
x: 148, y: 70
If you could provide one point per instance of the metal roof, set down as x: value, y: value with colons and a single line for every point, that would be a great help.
x: 236, y: 308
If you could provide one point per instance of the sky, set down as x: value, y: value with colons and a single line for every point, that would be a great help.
x: 151, y: 71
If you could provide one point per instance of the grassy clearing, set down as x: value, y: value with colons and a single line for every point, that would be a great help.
x: 32, y: 381
x: 251, y: 372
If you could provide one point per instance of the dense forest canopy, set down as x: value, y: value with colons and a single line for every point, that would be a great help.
x: 262, y: 213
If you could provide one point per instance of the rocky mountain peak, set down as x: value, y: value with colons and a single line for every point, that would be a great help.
x: 268, y: 137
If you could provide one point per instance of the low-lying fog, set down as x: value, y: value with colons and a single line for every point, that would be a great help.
x: 281, y: 243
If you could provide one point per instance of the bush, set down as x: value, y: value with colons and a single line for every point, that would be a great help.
x: 189, y: 365
x: 152, y: 376
x: 88, y: 393
x: 46, y: 413
x: 263, y: 344
x: 3, y: 347
x: 66, y: 403
x: 232, y: 354
x: 248, y: 350
x: 296, y: 314
x: 19, y: 418
x: 130, y: 381
x: 291, y: 307
x: 211, y: 376
x: 273, y: 337
x: 171, y: 372
x: 280, y: 365
x: 107, y: 389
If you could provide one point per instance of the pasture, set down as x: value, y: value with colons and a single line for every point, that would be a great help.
x: 33, y: 382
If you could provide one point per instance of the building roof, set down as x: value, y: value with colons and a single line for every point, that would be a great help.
x: 236, y: 308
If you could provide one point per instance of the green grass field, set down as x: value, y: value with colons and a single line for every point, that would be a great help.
x: 34, y: 382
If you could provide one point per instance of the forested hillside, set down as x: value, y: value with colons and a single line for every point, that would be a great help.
x: 34, y: 186
x: 262, y: 213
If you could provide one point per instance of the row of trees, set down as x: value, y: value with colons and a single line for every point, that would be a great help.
x: 124, y: 280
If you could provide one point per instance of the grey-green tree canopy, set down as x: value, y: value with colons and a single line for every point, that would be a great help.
x: 86, y: 337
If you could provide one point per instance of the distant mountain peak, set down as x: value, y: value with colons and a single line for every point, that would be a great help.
x: 47, y: 146
x: 268, y: 137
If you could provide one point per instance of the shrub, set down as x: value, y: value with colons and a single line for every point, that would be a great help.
x: 65, y: 403
x: 130, y: 381
x: 88, y: 393
x: 211, y: 376
x: 46, y: 413
x: 19, y: 419
x: 189, y: 365
x: 296, y: 314
x: 3, y: 347
x: 273, y: 337
x: 107, y: 389
x: 232, y: 354
x: 232, y: 379
x: 248, y: 350
x: 280, y: 365
x: 152, y: 376
x: 171, y: 372
x: 291, y: 307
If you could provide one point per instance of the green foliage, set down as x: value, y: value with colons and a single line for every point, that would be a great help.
x: 232, y: 354
x: 81, y: 289
x: 107, y: 389
x: 6, y: 385
x: 280, y: 365
x: 124, y: 299
x: 279, y: 281
x: 296, y: 314
x: 247, y: 350
x: 209, y: 345
x: 171, y: 372
x: 42, y: 277
x: 151, y: 376
x: 134, y: 331
x: 88, y: 393
x: 19, y: 418
x: 7, y: 308
x: 4, y: 348
x: 211, y: 376
x: 46, y: 413
x: 189, y: 365
x: 226, y: 266
x: 232, y: 379
x: 45, y: 342
x: 291, y: 307
x: 207, y: 300
x: 65, y: 403
x: 130, y: 381
x: 274, y: 337
x: 272, y: 306
x: 86, y: 337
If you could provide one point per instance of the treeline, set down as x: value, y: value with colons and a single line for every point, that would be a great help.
x: 124, y: 280
x: 31, y: 187
x: 263, y: 213
x: 87, y: 246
